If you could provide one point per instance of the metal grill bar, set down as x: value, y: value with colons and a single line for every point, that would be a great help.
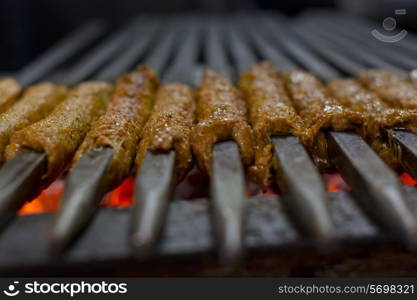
x: 361, y: 53
x: 268, y: 51
x: 100, y: 55
x: 214, y: 49
x: 163, y: 50
x: 60, y: 53
x: 143, y: 38
x: 386, y: 51
x: 295, y: 48
x: 243, y: 57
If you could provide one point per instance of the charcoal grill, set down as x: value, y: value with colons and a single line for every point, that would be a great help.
x: 304, y: 231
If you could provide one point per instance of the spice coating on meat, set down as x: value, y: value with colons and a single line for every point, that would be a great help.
x: 319, y: 110
x: 60, y: 133
x: 170, y: 126
x: 270, y: 113
x: 395, y: 91
x: 36, y: 103
x: 120, y: 127
x: 221, y: 115
x: 9, y: 91
x: 376, y: 115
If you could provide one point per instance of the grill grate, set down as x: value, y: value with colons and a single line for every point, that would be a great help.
x: 230, y: 44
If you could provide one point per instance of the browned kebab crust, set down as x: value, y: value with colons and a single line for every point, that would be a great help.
x: 169, y: 127
x: 9, y: 92
x: 319, y: 111
x: 35, y: 104
x: 120, y: 127
x: 395, y: 91
x: 221, y: 115
x: 60, y: 133
x: 270, y: 113
x: 377, y: 115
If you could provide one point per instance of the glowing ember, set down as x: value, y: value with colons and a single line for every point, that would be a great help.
x: 121, y: 196
x: 335, y: 183
x: 48, y: 200
x: 407, y: 179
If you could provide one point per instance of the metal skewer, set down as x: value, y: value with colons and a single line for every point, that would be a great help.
x: 303, y: 189
x: 154, y: 182
x: 85, y: 187
x: 227, y: 186
x: 373, y: 183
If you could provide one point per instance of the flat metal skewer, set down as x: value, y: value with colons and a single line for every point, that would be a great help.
x: 375, y: 186
x: 86, y: 186
x: 227, y: 184
x: 153, y: 191
x: 303, y: 189
x: 229, y: 201
x: 26, y: 172
x: 84, y: 190
x: 355, y: 159
x: 154, y: 183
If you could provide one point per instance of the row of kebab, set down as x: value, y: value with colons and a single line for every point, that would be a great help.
x: 136, y: 114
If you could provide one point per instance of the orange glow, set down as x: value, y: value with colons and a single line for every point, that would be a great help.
x: 407, y: 179
x: 335, y: 183
x: 47, y: 201
x: 121, y: 196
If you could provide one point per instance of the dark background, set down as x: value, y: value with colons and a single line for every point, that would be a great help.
x: 27, y: 27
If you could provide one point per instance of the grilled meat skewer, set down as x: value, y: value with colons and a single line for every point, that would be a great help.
x: 276, y: 126
x: 222, y: 142
x: 157, y: 175
x: 170, y: 126
x: 60, y: 133
x: 392, y: 89
x: 24, y: 175
x: 36, y: 103
x: 319, y: 111
x: 270, y: 113
x: 302, y: 187
x: 377, y: 116
x: 37, y: 153
x: 166, y: 134
x: 221, y: 115
x: 373, y: 182
x: 121, y: 126
x: 105, y: 156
